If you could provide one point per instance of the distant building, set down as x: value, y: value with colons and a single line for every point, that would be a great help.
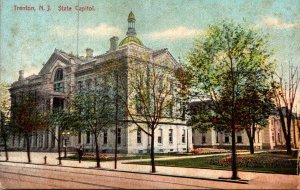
x: 270, y: 137
x: 64, y: 73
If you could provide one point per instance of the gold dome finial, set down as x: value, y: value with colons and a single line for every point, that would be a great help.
x: 131, y: 16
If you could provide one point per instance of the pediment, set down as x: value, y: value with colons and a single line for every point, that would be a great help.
x: 55, y: 60
x: 165, y: 58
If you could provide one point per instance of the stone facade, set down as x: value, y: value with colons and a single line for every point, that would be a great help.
x: 270, y: 137
x: 65, y: 74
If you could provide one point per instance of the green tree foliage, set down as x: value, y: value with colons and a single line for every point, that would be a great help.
x: 94, y: 110
x: 222, y: 62
x: 184, y: 78
x: 27, y: 115
x: 5, y: 129
x: 4, y: 132
x: 255, y: 106
x: 59, y: 121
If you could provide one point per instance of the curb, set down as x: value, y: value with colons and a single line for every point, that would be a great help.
x: 145, y: 173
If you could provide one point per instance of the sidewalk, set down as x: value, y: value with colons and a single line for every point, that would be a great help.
x: 256, y: 180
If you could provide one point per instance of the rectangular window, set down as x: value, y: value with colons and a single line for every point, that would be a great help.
x: 279, y: 139
x: 239, y: 137
x: 226, y: 138
x: 159, y: 137
x: 36, y: 140
x: 273, y: 137
x: 183, y: 136
x: 59, y: 87
x: 79, y: 86
x: 46, y: 139
x: 88, y: 84
x: 52, y: 141
x: 88, y: 137
x: 193, y: 132
x: 138, y: 106
x: 41, y: 140
x: 139, y: 135
x: 203, y: 139
x: 217, y: 137
x: 79, y: 137
x: 105, y: 137
x: 119, y: 136
x: 171, y: 136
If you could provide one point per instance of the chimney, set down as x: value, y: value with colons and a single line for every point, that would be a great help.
x: 113, y: 43
x: 21, y: 75
x: 89, y: 53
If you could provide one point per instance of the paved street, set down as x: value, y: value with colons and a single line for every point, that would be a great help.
x: 84, y: 175
x: 26, y: 176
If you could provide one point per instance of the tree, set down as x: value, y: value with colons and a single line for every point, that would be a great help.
x: 285, y: 94
x: 27, y: 115
x: 94, y: 110
x: 5, y: 129
x: 60, y: 120
x: 256, y: 105
x: 4, y: 132
x: 222, y: 61
x: 149, y: 97
x: 184, y: 78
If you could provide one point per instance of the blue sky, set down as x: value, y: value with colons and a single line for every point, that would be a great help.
x: 28, y: 38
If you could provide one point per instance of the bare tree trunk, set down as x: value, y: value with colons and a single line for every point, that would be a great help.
x: 187, y: 140
x: 233, y: 155
x: 286, y: 128
x: 5, y: 147
x: 251, y: 139
x: 153, y: 170
x: 97, y: 150
x: 58, y: 146
x: 28, y: 147
x: 288, y: 144
x: 116, y: 119
x: 251, y: 146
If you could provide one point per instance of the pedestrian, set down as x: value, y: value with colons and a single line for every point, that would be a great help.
x: 80, y: 153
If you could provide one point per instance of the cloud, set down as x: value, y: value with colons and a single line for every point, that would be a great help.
x: 179, y: 32
x: 63, y: 31
x: 103, y: 30
x: 277, y: 23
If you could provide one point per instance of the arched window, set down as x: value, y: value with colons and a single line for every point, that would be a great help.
x: 59, y: 75
x: 58, y: 81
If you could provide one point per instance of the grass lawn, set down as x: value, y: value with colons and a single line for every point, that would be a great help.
x: 121, y: 157
x: 262, y: 162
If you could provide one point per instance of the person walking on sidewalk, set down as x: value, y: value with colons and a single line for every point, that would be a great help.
x: 80, y: 153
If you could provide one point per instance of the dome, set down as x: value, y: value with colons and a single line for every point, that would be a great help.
x: 131, y: 16
x: 131, y: 39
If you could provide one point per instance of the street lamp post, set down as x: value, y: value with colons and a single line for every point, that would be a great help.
x: 65, y: 134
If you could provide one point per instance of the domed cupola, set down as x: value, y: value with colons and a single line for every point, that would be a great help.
x: 131, y: 34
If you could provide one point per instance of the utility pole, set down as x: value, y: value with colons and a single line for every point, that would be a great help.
x: 116, y: 118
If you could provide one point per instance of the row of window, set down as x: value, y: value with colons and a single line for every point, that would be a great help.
x: 160, y: 136
x: 139, y: 136
x: 105, y: 137
x: 278, y: 137
x: 239, y: 138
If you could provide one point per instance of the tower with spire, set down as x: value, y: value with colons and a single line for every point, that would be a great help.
x: 131, y: 25
x: 131, y: 33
